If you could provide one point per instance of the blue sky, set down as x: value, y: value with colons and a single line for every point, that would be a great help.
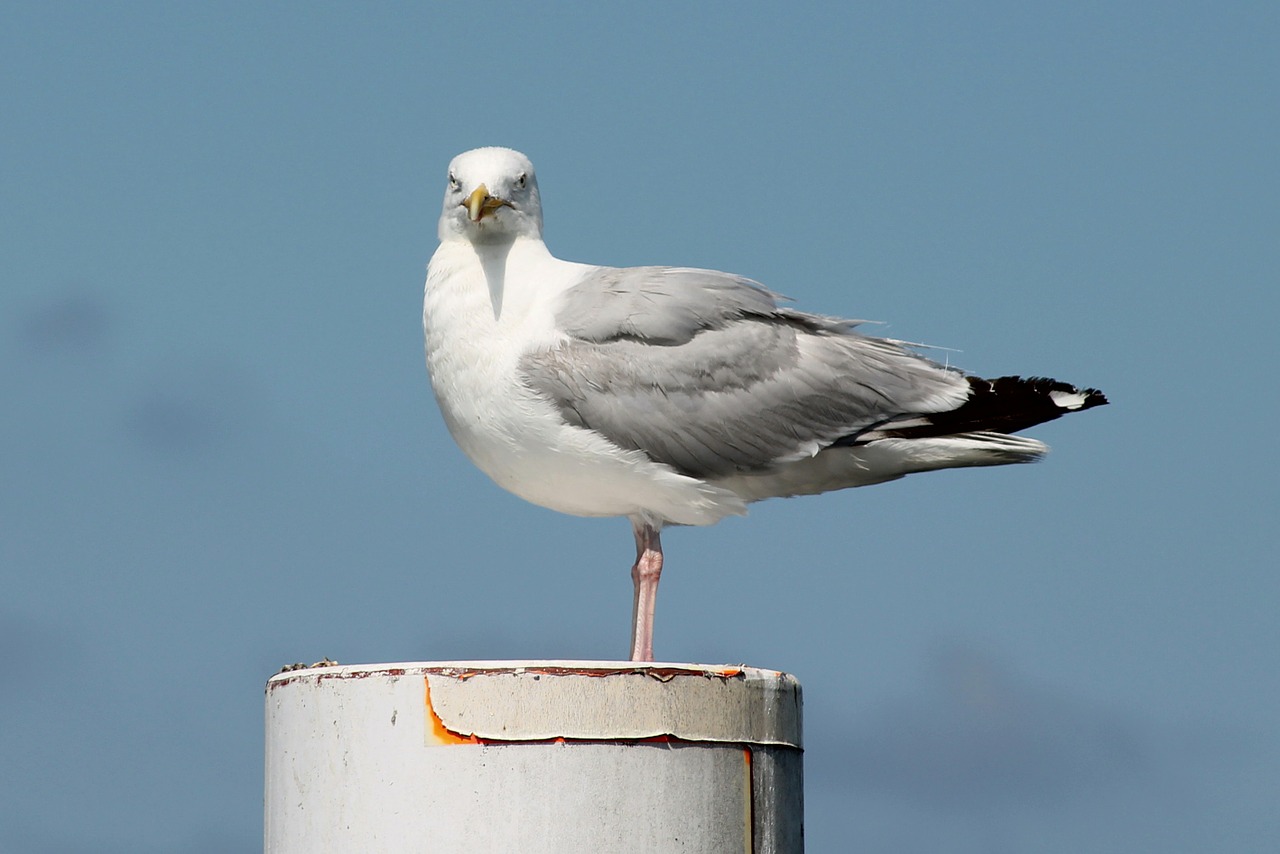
x: 220, y: 452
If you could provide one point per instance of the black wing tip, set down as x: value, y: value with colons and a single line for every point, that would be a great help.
x: 1001, y: 405
x: 1043, y: 387
x: 1093, y: 397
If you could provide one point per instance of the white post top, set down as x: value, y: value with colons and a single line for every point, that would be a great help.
x: 502, y: 702
x: 539, y: 757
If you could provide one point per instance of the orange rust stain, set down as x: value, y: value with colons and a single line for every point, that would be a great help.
x: 439, y: 732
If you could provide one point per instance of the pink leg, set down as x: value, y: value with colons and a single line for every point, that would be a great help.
x: 645, y: 575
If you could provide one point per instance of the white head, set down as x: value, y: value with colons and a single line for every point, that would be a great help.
x: 492, y: 196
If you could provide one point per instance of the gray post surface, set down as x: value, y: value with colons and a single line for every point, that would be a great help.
x: 533, y: 756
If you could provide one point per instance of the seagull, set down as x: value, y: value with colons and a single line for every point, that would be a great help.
x: 673, y: 395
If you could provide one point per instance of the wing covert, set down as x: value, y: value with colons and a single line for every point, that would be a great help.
x: 704, y: 372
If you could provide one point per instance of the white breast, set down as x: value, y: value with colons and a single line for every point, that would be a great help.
x: 514, y: 436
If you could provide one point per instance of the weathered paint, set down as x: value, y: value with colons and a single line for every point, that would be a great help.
x: 437, y: 732
x: 587, y: 702
x: 354, y: 760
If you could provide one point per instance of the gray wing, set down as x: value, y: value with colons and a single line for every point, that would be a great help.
x: 661, y: 305
x: 705, y: 372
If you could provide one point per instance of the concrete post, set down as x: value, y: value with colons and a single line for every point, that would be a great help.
x: 562, y: 757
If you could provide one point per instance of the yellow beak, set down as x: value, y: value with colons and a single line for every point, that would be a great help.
x: 480, y: 203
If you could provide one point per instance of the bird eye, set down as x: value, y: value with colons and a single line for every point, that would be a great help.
x: 520, y: 181
x: 453, y: 182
